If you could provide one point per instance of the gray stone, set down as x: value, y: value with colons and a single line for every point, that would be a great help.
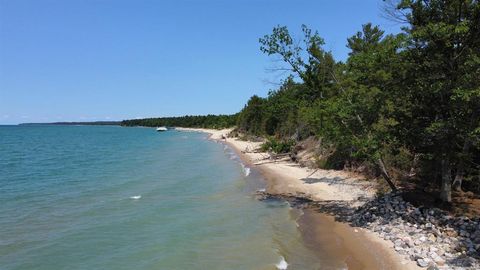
x: 398, y: 242
x: 423, y: 262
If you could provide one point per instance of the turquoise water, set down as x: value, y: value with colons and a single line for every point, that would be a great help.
x: 87, y: 197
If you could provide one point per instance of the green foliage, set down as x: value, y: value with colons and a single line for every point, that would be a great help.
x: 414, y: 94
x: 250, y: 119
x: 277, y: 146
x: 398, y: 104
x: 193, y: 121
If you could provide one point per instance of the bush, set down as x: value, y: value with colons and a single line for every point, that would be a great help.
x: 277, y: 146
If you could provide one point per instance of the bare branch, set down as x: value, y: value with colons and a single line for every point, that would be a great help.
x: 389, y: 11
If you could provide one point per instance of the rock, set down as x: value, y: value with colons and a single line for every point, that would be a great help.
x: 409, y: 242
x: 436, y: 232
x: 439, y: 261
x: 423, y: 262
x: 451, y: 233
x: 448, y: 255
x: 432, y: 255
x: 398, y: 242
x: 428, y: 236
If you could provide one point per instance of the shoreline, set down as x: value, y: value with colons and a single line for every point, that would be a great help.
x: 356, y: 248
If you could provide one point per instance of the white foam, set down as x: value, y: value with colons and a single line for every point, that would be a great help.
x: 136, y: 197
x: 282, y: 265
x: 247, y: 171
x: 261, y: 190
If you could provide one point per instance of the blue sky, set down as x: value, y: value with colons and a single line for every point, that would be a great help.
x: 85, y: 60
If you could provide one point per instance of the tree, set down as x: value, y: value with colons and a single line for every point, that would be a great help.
x: 444, y: 45
x: 251, y: 117
x: 306, y: 58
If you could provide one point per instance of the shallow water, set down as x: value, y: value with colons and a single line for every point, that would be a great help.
x: 98, y: 197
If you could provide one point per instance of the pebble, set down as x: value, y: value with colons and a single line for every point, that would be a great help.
x: 429, y: 236
x: 423, y: 262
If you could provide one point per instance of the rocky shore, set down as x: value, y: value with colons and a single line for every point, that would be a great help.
x: 429, y: 236
x: 421, y: 237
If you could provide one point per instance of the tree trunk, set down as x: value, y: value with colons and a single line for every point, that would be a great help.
x: 413, y: 169
x: 385, y: 174
x: 446, y: 187
x: 457, y: 182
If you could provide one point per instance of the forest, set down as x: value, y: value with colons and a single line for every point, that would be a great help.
x: 406, y: 106
x: 193, y: 121
x: 408, y: 102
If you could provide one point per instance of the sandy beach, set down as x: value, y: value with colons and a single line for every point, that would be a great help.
x: 358, y: 248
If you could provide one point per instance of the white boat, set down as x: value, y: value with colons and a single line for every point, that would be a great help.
x: 162, y: 129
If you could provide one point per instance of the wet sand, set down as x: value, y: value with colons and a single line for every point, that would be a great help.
x: 337, y: 244
x: 342, y: 246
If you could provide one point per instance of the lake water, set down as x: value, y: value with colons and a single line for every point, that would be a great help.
x: 104, y: 197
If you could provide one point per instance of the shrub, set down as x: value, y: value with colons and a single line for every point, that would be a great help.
x: 278, y: 146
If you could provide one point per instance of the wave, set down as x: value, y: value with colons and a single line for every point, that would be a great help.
x: 136, y: 197
x: 282, y: 265
x: 230, y: 153
x: 246, y: 169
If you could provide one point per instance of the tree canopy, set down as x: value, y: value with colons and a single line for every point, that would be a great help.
x: 409, y: 101
x: 193, y: 121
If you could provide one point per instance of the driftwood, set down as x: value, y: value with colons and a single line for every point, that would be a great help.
x: 277, y: 156
x: 272, y: 157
